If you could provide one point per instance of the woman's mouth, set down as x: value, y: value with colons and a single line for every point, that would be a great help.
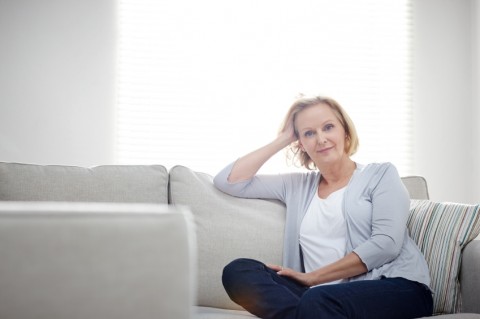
x: 324, y: 150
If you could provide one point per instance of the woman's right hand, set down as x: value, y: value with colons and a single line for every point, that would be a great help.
x: 287, y: 135
x: 247, y: 166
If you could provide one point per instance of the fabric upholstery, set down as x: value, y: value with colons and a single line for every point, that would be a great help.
x: 416, y: 186
x: 215, y: 313
x: 470, y: 277
x: 442, y: 230
x: 95, y: 260
x: 227, y: 228
x: 109, y: 183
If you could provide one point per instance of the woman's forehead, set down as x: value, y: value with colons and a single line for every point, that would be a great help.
x: 315, y: 114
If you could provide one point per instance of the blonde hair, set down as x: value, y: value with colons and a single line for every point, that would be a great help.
x: 295, y: 152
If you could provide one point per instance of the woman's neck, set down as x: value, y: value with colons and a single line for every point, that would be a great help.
x: 338, y: 173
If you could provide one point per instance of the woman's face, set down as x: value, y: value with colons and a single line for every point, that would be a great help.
x: 321, y: 135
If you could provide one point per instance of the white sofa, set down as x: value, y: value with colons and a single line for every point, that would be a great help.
x: 225, y: 228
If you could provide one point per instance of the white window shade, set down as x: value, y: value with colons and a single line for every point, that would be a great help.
x: 201, y: 83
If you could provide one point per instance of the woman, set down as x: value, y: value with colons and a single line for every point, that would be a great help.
x: 347, y: 252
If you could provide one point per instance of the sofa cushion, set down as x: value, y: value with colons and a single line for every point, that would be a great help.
x: 110, y: 183
x: 217, y: 313
x: 227, y: 228
x: 442, y: 230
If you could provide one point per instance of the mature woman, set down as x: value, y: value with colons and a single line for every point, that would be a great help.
x: 347, y: 252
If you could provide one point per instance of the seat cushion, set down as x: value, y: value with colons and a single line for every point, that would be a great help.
x: 110, y: 183
x: 217, y: 313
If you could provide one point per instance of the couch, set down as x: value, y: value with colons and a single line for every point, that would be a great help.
x: 211, y: 229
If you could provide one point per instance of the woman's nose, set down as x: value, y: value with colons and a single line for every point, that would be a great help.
x: 321, y: 139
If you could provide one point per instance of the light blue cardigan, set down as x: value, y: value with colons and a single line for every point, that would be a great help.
x: 376, y: 207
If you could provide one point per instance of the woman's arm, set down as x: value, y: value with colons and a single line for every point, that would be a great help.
x: 247, y: 166
x: 349, y: 266
x: 240, y: 179
x: 390, y: 208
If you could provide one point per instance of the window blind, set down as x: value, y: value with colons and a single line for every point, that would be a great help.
x: 201, y: 83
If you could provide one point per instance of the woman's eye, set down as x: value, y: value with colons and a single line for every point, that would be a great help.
x: 308, y: 133
x: 328, y: 127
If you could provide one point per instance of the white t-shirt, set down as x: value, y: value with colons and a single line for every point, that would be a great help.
x: 323, y: 231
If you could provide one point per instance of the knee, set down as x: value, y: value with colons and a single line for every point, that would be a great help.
x: 234, y: 269
x: 235, y: 277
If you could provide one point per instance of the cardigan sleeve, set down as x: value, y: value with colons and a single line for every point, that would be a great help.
x: 390, y: 209
x: 259, y: 186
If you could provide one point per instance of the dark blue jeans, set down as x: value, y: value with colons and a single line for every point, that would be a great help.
x: 267, y: 295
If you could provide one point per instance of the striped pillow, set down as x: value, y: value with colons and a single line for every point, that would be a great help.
x: 441, y: 231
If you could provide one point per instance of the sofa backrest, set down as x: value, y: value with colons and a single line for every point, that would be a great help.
x: 227, y: 228
x: 416, y: 186
x: 109, y: 183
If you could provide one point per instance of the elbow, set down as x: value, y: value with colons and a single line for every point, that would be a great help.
x: 220, y: 183
x: 389, y: 248
x: 392, y: 250
x: 380, y: 250
x: 216, y: 181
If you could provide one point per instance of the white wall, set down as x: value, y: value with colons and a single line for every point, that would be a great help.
x: 56, y: 81
x: 444, y: 104
x: 57, y: 62
x: 476, y: 100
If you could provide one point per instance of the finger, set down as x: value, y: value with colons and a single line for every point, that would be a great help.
x: 277, y: 268
x: 274, y: 267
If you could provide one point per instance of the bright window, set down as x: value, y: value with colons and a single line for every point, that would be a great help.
x: 200, y: 83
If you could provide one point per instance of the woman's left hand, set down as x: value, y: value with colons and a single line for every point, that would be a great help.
x: 305, y: 279
x: 349, y: 266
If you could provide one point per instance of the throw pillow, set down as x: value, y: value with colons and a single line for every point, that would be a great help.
x: 441, y: 231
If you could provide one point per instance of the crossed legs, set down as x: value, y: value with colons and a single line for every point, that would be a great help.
x: 267, y: 295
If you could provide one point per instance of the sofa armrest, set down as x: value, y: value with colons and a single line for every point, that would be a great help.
x: 86, y: 260
x: 470, y: 277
